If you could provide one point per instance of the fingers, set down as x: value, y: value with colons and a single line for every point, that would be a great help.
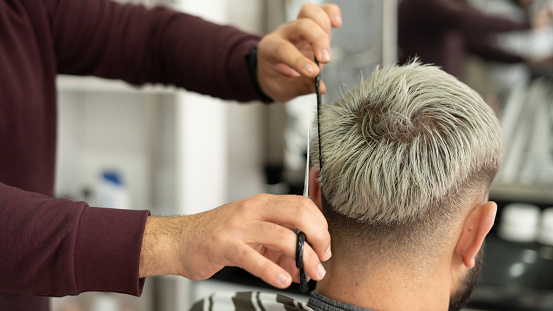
x: 297, y: 212
x: 327, y: 16
x: 316, y: 272
x: 313, y: 25
x: 317, y: 39
x: 289, y: 265
x: 260, y: 266
x: 255, y: 234
x: 312, y: 264
x: 316, y: 14
x: 289, y: 55
x: 323, y: 19
x: 302, y: 86
x: 333, y: 11
x: 282, y: 241
x: 282, y: 47
x: 293, y: 46
x: 308, y: 30
x: 322, y: 87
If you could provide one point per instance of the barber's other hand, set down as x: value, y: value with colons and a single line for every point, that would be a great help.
x: 285, y: 67
x: 253, y: 233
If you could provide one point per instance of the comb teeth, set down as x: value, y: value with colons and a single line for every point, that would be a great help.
x: 318, y: 91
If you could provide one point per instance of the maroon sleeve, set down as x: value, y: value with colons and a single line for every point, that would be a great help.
x: 483, y: 46
x: 455, y: 14
x: 132, y: 43
x: 75, y: 252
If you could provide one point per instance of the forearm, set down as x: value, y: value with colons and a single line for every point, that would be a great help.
x: 160, y: 246
x: 140, y: 45
x: 57, y: 247
x: 177, y: 246
x: 483, y: 46
x: 37, y: 242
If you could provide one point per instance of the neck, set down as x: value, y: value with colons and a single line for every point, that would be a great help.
x: 387, y: 286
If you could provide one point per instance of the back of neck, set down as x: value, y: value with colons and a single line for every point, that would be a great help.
x: 386, y: 286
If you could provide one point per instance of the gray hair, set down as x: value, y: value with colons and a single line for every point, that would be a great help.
x: 401, y: 142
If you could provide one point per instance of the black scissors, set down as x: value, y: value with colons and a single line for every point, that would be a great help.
x: 304, y: 286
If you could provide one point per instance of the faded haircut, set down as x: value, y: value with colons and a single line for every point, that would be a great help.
x: 400, y: 148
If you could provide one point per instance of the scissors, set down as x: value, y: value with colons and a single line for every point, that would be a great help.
x: 304, y: 286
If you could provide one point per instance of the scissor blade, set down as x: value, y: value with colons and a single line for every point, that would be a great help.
x: 306, y: 181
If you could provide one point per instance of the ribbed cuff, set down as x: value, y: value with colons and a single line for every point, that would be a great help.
x: 107, y: 250
x: 251, y: 60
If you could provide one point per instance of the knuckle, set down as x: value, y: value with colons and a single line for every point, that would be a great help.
x: 330, y: 7
x: 266, y: 268
x: 234, y: 253
x: 301, y: 214
x: 282, y: 28
x: 284, y: 236
x: 242, y: 252
x: 310, y: 257
x: 305, y: 203
x: 323, y: 38
x: 281, y: 51
x: 221, y: 239
x: 305, y: 23
x: 299, y: 60
x: 307, y: 7
x: 247, y: 206
x: 234, y: 225
x: 263, y: 197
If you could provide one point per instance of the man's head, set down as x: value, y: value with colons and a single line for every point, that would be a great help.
x: 408, y: 156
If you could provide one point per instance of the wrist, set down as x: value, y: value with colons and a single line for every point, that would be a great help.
x: 251, y: 60
x: 159, y: 253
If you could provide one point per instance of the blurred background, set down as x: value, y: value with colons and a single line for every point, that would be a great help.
x: 164, y: 149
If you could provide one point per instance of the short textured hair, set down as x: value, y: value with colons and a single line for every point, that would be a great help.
x: 401, y: 142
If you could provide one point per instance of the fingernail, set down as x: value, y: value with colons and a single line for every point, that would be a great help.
x: 310, y: 69
x: 283, y: 279
x: 337, y: 19
x: 325, y: 56
x: 328, y: 253
x: 321, y: 271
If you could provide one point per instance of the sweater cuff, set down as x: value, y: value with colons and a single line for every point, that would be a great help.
x: 107, y: 250
x: 242, y: 72
x: 251, y: 60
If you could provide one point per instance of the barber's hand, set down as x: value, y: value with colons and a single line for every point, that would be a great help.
x: 285, y: 67
x: 254, y: 234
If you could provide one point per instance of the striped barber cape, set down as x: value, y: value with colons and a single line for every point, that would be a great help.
x: 248, y: 301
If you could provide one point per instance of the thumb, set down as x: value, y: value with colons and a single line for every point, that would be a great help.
x: 289, y: 88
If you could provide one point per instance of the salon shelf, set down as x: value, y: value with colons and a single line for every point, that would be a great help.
x: 93, y: 84
x: 541, y: 194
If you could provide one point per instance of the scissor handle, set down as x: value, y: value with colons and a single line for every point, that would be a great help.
x: 299, y: 261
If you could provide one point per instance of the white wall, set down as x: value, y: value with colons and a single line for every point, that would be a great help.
x: 99, y: 131
x: 245, y: 121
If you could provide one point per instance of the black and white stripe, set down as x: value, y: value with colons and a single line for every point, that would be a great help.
x: 248, y: 301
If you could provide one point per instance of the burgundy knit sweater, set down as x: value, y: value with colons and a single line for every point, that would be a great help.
x: 56, y: 247
x: 442, y: 32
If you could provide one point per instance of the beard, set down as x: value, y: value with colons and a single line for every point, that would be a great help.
x: 459, y: 299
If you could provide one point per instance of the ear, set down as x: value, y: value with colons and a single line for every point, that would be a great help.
x: 314, y: 188
x: 477, y: 224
